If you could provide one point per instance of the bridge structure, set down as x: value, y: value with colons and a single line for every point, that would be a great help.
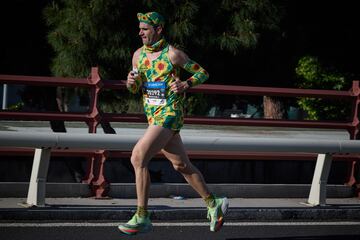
x: 95, y: 174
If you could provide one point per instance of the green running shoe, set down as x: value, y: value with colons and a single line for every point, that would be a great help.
x: 136, y: 225
x: 216, y: 214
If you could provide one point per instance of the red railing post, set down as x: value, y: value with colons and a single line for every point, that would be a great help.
x: 95, y: 165
x: 99, y: 185
x: 355, y: 109
x: 92, y: 122
x: 96, y: 83
x: 353, y: 180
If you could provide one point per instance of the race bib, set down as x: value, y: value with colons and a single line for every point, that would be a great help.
x: 155, y: 93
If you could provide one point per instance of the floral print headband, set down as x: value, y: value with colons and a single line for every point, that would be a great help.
x: 151, y: 18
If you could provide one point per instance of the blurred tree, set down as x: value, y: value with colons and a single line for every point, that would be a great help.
x: 227, y: 25
x: 312, y: 74
x: 219, y: 34
x: 87, y: 33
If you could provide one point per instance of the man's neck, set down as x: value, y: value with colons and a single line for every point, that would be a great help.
x: 156, y: 47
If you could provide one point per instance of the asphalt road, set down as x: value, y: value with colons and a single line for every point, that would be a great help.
x: 184, y: 231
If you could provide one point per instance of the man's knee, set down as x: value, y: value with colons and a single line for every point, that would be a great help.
x: 137, y: 158
x: 181, y: 167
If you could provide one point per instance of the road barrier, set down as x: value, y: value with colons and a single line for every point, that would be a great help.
x: 93, y: 117
x: 45, y: 142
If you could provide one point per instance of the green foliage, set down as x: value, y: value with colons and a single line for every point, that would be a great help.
x: 123, y: 102
x: 135, y: 104
x: 88, y: 33
x: 196, y: 104
x: 315, y: 76
x: 243, y: 22
x: 16, y: 107
x: 103, y: 33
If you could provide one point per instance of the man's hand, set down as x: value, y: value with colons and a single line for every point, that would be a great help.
x: 178, y: 86
x: 131, y: 79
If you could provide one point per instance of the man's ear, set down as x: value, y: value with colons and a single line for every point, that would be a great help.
x: 159, y: 29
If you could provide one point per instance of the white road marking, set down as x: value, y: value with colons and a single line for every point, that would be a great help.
x: 182, y: 224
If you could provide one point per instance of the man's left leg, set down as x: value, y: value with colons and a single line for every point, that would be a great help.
x: 217, y: 207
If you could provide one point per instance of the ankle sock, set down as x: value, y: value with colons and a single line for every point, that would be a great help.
x: 141, y: 211
x: 210, y: 200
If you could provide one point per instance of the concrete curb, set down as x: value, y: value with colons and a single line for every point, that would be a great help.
x: 127, y: 190
x: 186, y: 214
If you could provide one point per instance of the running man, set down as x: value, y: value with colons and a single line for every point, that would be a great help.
x: 156, y: 70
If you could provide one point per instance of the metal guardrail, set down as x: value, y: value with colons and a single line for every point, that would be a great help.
x: 44, y: 143
x: 93, y: 117
x: 200, y: 143
x: 352, y: 125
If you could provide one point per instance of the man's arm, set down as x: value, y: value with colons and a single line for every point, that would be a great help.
x: 179, y: 58
x: 134, y: 81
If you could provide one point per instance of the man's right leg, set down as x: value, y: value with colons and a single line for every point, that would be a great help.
x: 154, y: 139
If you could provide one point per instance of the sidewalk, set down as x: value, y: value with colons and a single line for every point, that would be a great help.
x: 173, y: 209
